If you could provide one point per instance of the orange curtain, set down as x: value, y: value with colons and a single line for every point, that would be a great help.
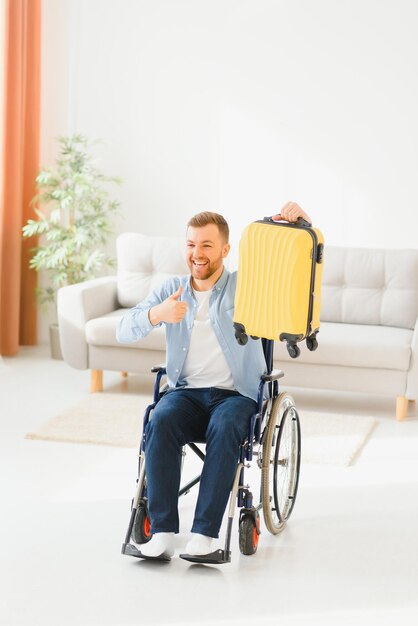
x: 18, y: 311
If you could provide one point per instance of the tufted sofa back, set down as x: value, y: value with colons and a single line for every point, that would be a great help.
x: 144, y: 262
x: 362, y: 286
x: 359, y: 286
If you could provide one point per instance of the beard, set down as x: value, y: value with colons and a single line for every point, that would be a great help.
x: 203, y: 272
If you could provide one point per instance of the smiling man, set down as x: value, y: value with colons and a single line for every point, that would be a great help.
x: 213, y: 384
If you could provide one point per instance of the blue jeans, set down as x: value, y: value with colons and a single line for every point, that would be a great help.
x: 219, y: 416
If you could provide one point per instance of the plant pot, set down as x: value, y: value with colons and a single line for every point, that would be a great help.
x: 54, y: 342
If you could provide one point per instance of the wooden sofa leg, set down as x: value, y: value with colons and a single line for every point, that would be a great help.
x: 401, y: 407
x: 96, y: 382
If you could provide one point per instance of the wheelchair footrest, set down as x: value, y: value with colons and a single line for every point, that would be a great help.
x: 213, y: 558
x: 131, y: 550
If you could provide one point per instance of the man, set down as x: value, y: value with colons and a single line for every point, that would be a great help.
x: 213, y: 384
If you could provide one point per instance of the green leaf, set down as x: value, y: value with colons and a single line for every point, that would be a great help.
x: 94, y: 260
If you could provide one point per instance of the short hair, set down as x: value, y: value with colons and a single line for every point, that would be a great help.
x: 207, y: 217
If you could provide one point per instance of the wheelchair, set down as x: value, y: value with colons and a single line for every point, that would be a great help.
x: 274, y: 439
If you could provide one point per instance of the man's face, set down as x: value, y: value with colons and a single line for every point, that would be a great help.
x: 205, y: 251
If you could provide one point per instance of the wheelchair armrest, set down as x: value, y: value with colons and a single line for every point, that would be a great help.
x: 159, y: 368
x: 161, y: 371
x: 274, y: 375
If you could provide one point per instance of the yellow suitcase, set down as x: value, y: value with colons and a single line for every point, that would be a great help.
x: 278, y: 292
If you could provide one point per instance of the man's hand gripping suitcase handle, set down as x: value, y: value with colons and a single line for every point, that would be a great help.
x: 292, y: 212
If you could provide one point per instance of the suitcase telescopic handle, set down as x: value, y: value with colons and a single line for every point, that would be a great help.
x: 300, y: 222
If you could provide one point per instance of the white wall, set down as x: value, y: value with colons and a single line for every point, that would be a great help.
x: 241, y: 105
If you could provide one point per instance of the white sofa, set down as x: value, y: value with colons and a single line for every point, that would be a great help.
x: 368, y: 341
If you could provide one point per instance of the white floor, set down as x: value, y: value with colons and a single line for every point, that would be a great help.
x: 348, y: 556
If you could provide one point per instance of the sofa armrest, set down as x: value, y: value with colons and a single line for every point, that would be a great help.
x: 412, y: 378
x: 76, y: 305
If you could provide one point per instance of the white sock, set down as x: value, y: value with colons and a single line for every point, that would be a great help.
x: 199, y: 544
x: 160, y: 543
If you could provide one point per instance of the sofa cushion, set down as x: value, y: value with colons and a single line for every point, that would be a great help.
x: 144, y: 263
x: 377, y: 287
x: 356, y: 345
x: 352, y: 345
x: 101, y: 331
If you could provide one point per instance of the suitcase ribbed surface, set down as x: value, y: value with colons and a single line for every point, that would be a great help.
x: 274, y: 279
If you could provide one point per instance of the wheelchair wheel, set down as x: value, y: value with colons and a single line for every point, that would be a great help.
x: 248, y: 534
x: 280, y: 462
x: 141, y: 530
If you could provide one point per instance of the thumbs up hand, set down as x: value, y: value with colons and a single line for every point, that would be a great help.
x: 177, y: 294
x: 172, y: 310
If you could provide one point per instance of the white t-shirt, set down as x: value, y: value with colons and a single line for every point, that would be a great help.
x: 205, y: 364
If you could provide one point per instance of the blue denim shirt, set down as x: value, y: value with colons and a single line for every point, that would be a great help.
x: 247, y: 363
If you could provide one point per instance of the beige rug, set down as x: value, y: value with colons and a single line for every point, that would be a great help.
x: 115, y: 420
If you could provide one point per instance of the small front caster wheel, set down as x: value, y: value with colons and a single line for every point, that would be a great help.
x: 293, y: 350
x: 141, y: 531
x: 248, y: 535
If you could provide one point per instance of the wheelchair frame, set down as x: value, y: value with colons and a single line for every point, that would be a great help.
x: 241, y: 495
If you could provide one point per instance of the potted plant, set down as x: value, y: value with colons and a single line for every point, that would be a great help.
x: 73, y: 221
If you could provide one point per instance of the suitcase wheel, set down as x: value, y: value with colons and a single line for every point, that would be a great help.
x: 293, y: 350
x: 242, y: 339
x: 240, y: 334
x: 311, y: 343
